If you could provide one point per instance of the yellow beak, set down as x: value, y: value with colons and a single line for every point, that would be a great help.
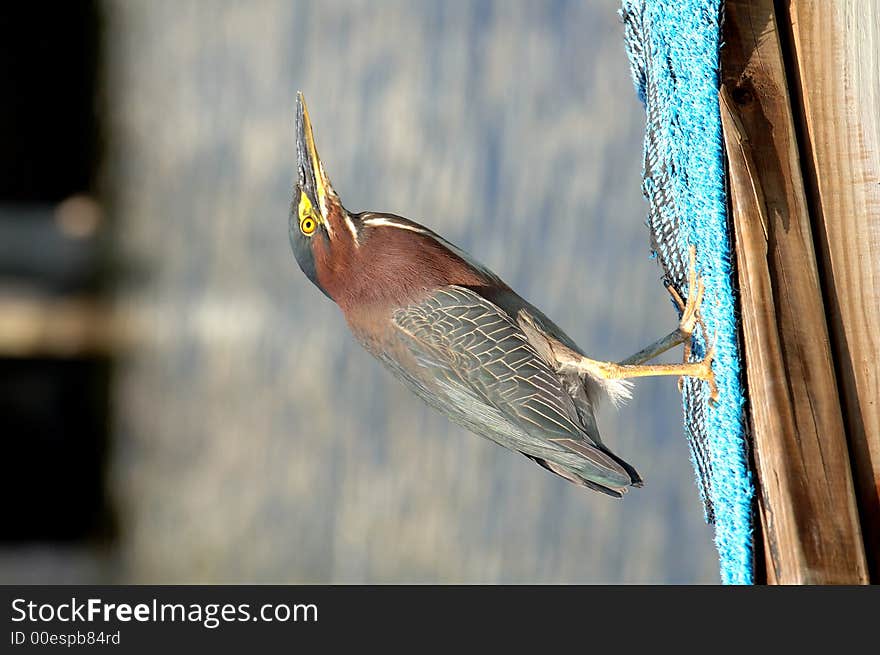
x: 312, y: 178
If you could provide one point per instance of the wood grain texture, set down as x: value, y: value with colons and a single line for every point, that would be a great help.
x: 836, y: 50
x: 772, y: 416
x: 811, y: 522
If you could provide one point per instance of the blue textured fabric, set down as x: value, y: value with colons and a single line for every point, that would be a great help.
x: 674, y: 52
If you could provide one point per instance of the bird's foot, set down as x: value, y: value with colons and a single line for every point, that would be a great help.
x: 690, y: 319
x: 571, y: 361
x: 704, y: 372
x: 690, y: 308
x: 635, y: 366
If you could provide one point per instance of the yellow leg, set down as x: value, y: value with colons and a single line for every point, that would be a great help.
x: 612, y: 371
x: 690, y: 310
x: 657, y: 348
x: 690, y: 316
x: 633, y: 367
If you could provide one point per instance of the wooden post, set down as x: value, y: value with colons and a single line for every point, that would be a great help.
x: 835, y: 48
x: 65, y: 327
x: 808, y: 509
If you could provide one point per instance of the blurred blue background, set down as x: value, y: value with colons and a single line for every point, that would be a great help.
x: 247, y: 438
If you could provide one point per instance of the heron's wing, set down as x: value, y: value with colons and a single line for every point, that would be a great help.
x: 470, y: 344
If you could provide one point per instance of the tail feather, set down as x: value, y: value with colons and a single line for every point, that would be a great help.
x: 581, y: 480
x: 633, y: 474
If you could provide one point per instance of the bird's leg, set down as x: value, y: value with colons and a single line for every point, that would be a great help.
x: 569, y: 360
x: 634, y: 366
x: 690, y: 317
x: 657, y: 348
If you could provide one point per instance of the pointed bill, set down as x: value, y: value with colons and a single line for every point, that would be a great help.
x: 312, y: 178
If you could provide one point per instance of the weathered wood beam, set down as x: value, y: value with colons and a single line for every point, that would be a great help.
x: 808, y: 508
x: 835, y: 49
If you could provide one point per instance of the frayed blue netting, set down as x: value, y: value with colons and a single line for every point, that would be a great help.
x: 674, y: 52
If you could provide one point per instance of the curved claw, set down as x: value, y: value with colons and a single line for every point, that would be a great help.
x: 703, y: 371
x: 710, y: 375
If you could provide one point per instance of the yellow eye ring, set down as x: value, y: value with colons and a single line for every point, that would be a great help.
x: 308, y: 225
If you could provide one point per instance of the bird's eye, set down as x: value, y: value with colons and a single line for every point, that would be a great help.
x: 308, y: 225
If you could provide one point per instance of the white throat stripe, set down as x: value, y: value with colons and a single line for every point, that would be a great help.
x: 351, y: 228
x: 384, y: 222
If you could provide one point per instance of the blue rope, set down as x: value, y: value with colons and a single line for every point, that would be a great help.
x: 673, y: 49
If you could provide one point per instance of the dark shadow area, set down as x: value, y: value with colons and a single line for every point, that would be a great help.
x: 47, y: 120
x: 53, y: 399
x: 55, y: 425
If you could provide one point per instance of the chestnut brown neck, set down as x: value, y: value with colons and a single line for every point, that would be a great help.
x: 387, y: 266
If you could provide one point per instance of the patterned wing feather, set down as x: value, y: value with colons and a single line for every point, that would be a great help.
x: 475, y: 349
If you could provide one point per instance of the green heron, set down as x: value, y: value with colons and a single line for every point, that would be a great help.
x: 461, y: 339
